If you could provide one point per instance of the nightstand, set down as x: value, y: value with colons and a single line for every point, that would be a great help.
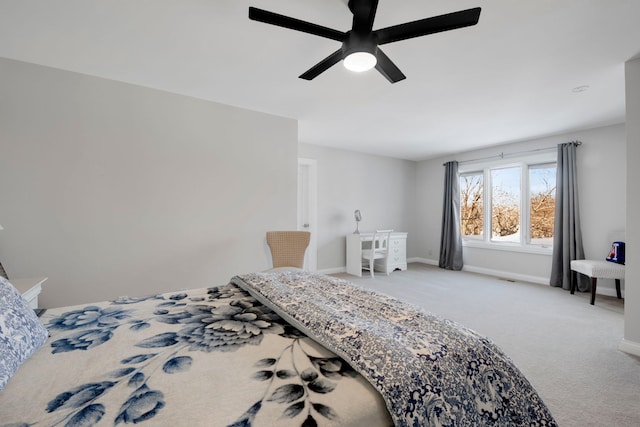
x: 30, y: 288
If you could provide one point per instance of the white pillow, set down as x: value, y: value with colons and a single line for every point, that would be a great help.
x: 21, y: 333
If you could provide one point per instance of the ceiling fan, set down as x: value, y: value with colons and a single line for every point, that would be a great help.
x: 360, y: 46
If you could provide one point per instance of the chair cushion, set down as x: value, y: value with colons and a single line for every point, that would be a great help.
x: 599, y: 269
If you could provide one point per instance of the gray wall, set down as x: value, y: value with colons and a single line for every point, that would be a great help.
x: 112, y: 189
x: 631, y: 341
x: 407, y: 196
x: 382, y: 188
x: 602, y: 192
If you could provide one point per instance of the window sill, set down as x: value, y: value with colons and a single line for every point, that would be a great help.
x: 513, y: 247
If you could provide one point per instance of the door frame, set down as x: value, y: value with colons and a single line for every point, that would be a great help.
x: 308, y: 203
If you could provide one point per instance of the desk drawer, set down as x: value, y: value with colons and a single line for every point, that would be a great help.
x: 397, y: 242
x: 397, y: 254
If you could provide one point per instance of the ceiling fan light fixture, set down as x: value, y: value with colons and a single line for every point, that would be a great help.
x: 360, y: 61
x: 359, y: 51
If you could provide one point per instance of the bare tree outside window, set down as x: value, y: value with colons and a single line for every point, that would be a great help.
x: 505, y: 204
x: 471, y: 205
x: 517, y: 212
x: 542, y: 196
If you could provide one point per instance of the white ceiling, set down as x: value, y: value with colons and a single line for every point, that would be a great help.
x: 509, y: 78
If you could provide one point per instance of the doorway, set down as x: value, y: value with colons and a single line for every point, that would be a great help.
x: 308, y: 208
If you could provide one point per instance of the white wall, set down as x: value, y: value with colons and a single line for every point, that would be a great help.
x: 631, y: 342
x: 382, y: 188
x: 112, y: 189
x: 602, y: 194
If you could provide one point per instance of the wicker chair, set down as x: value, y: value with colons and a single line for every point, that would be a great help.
x: 288, y: 247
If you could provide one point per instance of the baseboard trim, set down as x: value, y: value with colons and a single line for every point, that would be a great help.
x: 332, y: 270
x: 507, y: 275
x: 602, y: 290
x: 489, y: 272
x: 630, y: 347
x: 423, y: 261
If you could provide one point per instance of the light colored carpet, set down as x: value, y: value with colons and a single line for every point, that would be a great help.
x: 567, y: 348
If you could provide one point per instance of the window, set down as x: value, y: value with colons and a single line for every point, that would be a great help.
x: 514, y: 201
x: 471, y: 205
x: 542, y: 203
x: 505, y: 204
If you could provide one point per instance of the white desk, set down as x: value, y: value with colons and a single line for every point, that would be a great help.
x: 397, y: 259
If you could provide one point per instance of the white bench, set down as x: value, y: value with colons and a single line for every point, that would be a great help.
x: 597, y: 269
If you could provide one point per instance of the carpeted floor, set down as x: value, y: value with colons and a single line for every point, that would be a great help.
x: 567, y: 348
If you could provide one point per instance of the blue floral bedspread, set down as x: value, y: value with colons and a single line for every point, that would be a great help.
x: 430, y: 371
x: 205, y: 357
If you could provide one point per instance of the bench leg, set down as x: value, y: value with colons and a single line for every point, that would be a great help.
x: 594, y: 281
x: 572, y: 281
x: 618, y: 289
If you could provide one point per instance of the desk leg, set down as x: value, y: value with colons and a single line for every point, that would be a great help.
x: 354, y: 256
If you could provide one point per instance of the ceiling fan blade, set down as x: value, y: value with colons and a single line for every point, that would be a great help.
x: 422, y: 27
x: 272, y: 18
x: 323, y: 65
x: 364, y: 12
x: 387, y: 68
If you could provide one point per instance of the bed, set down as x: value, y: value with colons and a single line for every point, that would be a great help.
x: 286, y: 348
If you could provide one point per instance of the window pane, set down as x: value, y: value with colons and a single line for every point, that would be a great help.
x: 505, y: 205
x: 542, y: 194
x: 471, y: 207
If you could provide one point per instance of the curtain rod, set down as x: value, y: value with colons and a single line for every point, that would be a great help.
x: 502, y: 155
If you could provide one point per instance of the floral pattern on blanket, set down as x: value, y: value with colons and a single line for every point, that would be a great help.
x: 430, y: 371
x: 224, y: 320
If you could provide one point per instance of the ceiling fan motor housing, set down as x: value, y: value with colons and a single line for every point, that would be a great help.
x: 355, y: 42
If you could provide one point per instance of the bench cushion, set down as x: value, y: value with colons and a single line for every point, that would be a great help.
x: 598, y: 268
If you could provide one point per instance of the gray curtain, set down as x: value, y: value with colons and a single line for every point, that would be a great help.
x: 567, y: 236
x: 451, y: 238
